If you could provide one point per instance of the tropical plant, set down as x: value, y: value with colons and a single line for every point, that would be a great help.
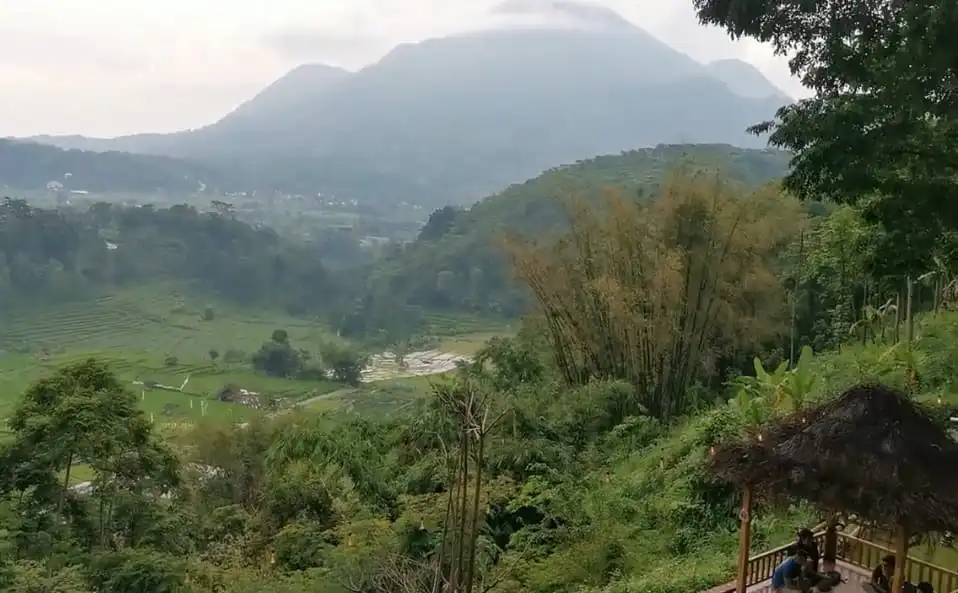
x: 781, y: 391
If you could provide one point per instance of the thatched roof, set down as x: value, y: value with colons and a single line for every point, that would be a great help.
x: 873, y: 452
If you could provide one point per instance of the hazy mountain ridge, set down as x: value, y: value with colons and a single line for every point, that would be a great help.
x: 745, y: 79
x: 451, y: 119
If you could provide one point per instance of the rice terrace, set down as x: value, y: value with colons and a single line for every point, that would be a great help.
x: 157, y: 339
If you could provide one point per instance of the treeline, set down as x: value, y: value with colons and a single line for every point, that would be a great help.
x: 27, y: 165
x: 57, y: 255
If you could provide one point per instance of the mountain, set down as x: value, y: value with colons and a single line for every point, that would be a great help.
x: 746, y: 80
x: 458, y: 246
x: 28, y: 165
x: 450, y: 119
x: 290, y: 93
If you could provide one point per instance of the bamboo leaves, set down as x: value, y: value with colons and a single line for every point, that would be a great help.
x: 659, y: 293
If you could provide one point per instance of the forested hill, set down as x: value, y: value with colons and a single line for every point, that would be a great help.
x: 53, y: 256
x: 28, y: 166
x: 458, y: 263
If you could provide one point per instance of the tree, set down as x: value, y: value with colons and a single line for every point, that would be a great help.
x: 439, y: 223
x: 881, y: 130
x: 662, y: 295
x: 346, y: 363
x: 82, y: 415
x: 277, y: 359
x: 214, y: 355
x: 280, y: 336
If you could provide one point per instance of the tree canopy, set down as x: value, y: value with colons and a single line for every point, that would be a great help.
x: 881, y: 130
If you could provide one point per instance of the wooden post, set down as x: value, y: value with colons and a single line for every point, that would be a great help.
x: 830, y: 554
x: 745, y: 537
x: 901, y: 560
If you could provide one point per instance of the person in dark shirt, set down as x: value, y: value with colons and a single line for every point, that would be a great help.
x: 883, y: 574
x: 806, y: 543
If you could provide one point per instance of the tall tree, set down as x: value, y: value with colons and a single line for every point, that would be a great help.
x: 881, y: 130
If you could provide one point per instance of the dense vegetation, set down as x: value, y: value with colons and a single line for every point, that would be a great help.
x: 54, y: 256
x: 458, y: 262
x: 554, y: 462
x: 571, y: 457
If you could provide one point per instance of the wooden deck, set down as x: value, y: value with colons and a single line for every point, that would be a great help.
x: 856, y: 559
x: 853, y: 575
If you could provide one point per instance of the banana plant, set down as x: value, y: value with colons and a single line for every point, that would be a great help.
x: 781, y: 391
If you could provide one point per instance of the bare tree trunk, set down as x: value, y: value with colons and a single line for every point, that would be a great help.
x: 66, y: 483
x: 470, y: 576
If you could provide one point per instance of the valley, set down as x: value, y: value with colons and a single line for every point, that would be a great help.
x: 525, y: 308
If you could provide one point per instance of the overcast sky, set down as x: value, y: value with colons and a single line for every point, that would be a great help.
x: 112, y: 67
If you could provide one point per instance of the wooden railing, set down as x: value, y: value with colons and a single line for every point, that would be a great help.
x: 760, y: 568
x: 854, y: 551
x: 866, y: 554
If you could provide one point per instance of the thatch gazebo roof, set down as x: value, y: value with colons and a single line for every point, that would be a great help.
x: 873, y: 452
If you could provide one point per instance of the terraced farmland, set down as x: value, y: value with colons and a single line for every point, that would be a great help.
x: 153, y: 334
x: 157, y: 334
x: 150, y: 320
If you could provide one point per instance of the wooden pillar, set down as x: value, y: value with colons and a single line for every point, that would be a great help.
x: 745, y: 537
x: 901, y: 560
x: 830, y: 553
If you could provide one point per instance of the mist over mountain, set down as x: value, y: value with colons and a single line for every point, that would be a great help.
x: 450, y: 119
x: 745, y: 79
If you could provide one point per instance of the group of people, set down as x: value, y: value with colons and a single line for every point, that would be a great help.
x: 800, y: 570
x: 884, y: 574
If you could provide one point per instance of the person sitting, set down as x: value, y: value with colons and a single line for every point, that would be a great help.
x: 790, y: 570
x: 883, y: 574
x: 806, y: 541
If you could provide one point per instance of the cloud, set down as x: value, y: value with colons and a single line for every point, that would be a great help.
x: 26, y: 49
x: 348, y: 50
x: 110, y: 67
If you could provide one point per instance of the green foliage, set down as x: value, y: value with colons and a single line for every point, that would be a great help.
x: 345, y: 363
x: 880, y: 129
x: 761, y: 397
x: 458, y: 262
x: 698, y: 285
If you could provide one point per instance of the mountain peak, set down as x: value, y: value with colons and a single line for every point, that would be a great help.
x: 301, y: 84
x: 562, y: 13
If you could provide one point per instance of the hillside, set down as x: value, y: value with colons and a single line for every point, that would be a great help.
x: 27, y: 165
x: 457, y: 261
x: 450, y: 119
x: 745, y: 79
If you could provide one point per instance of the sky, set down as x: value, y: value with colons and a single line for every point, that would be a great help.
x: 112, y: 67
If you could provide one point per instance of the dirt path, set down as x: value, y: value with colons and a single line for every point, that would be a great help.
x: 319, y: 398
